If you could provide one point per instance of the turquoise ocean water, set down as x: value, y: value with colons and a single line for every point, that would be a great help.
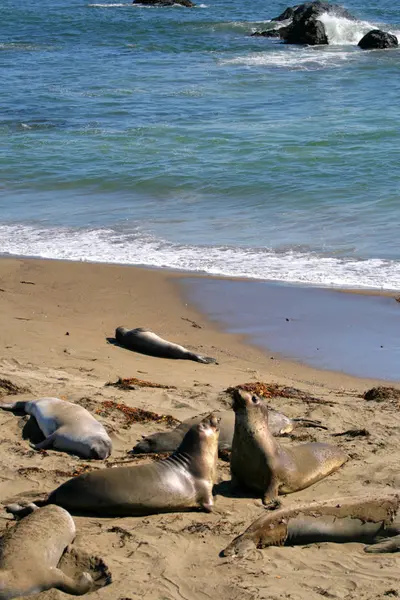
x: 171, y: 138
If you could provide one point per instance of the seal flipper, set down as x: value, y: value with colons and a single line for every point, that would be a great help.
x: 390, y: 545
x: 47, y: 442
x: 18, y: 406
x: 207, y: 360
x: 62, y: 582
x: 309, y: 423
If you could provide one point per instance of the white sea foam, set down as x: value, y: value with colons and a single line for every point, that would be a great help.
x: 305, y: 59
x: 342, y: 31
x: 138, y: 248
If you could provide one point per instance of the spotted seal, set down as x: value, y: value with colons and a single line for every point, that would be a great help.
x: 145, y: 341
x: 66, y: 426
x: 259, y: 462
x: 370, y: 520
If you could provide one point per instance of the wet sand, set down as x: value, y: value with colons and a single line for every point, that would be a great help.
x: 357, y: 334
x: 55, y: 321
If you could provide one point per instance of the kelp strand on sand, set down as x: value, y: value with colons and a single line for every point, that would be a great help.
x: 274, y: 390
x: 133, y: 414
x: 8, y: 388
x: 130, y: 383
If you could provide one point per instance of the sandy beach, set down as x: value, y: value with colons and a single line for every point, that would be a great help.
x: 55, y: 320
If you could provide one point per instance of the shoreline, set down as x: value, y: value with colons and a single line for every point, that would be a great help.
x: 172, y: 283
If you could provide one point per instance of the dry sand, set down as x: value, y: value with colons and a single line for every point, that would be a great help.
x: 55, y: 318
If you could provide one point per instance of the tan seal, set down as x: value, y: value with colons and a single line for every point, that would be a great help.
x: 183, y: 481
x: 371, y: 520
x: 66, y: 426
x: 145, y: 341
x: 168, y: 441
x: 30, y: 552
x: 259, y: 462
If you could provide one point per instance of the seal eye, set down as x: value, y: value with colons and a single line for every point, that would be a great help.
x: 254, y: 399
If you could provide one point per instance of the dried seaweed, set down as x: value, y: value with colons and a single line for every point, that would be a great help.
x: 274, y: 390
x: 130, y: 383
x: 353, y: 433
x: 133, y: 414
x: 8, y: 388
x: 382, y: 393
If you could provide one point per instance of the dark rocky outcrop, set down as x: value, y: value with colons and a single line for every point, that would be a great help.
x: 313, y: 10
x: 187, y: 3
x: 305, y: 27
x: 269, y: 33
x: 378, y: 39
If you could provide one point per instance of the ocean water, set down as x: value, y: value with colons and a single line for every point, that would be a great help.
x: 169, y: 137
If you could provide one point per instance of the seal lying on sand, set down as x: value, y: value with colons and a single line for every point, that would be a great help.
x: 182, y: 481
x: 30, y: 552
x: 259, y: 462
x: 67, y: 426
x: 354, y: 519
x: 145, y: 341
x: 168, y: 441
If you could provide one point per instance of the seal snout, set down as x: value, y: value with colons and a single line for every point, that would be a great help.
x: 242, y: 399
x: 100, y: 450
x: 211, y: 422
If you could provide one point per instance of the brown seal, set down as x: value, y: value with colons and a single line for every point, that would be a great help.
x: 30, y: 552
x: 259, y: 462
x: 145, y: 341
x: 182, y: 481
x: 370, y: 520
x: 168, y: 441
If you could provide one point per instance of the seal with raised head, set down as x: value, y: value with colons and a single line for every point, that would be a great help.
x: 168, y: 441
x: 182, y: 481
x: 66, y: 426
x: 259, y: 462
x: 146, y: 342
x: 30, y: 552
x: 372, y: 520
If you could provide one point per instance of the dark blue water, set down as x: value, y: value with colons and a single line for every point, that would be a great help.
x: 170, y: 137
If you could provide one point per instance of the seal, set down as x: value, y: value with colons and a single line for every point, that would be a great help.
x: 259, y: 462
x: 145, y: 341
x: 168, y: 441
x: 182, y: 481
x: 66, y: 426
x: 30, y: 552
x: 370, y: 520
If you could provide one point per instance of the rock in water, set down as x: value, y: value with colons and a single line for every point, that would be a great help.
x: 305, y: 27
x: 378, y: 39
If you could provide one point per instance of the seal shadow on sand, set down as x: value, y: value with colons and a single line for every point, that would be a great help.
x: 30, y: 429
x: 227, y: 489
